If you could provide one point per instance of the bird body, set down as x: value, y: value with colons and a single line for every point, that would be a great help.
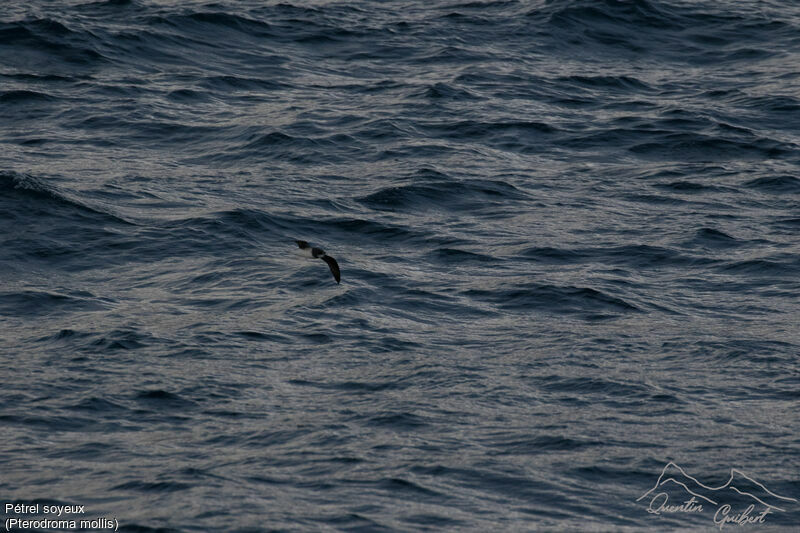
x: 319, y: 253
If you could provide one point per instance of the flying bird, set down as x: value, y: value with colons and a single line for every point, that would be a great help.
x: 319, y: 253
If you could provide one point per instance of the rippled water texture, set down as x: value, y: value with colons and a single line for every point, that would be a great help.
x: 567, y: 232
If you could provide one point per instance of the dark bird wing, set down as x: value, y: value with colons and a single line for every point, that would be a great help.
x: 334, y: 267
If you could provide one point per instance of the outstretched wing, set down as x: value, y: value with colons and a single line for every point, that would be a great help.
x: 334, y: 267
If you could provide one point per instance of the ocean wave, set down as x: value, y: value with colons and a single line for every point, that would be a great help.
x: 476, y: 194
x: 22, y: 96
x: 39, y: 39
x: 776, y: 184
x: 42, y: 192
x: 584, y: 301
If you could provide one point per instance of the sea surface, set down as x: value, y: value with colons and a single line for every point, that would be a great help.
x: 569, y: 238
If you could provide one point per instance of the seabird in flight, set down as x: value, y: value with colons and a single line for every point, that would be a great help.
x: 319, y: 253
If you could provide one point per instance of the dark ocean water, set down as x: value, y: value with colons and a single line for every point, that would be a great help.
x: 568, y: 235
